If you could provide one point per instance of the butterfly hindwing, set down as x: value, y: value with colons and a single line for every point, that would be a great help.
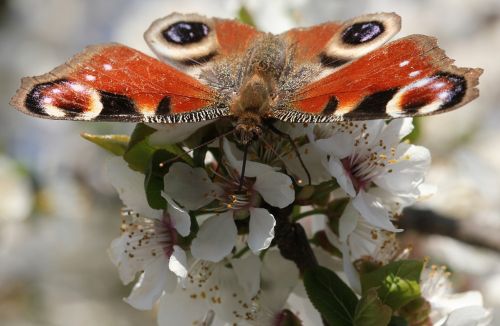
x: 408, y: 77
x: 335, y: 44
x: 191, y: 41
x: 113, y: 82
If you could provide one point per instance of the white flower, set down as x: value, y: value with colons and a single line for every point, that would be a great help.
x: 148, y: 243
x: 358, y: 240
x: 193, y: 189
x: 238, y: 291
x: 372, y: 166
x: 449, y: 309
x: 278, y: 279
x: 213, y: 290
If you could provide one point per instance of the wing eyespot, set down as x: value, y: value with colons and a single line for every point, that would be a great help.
x: 63, y: 98
x: 361, y: 35
x: 185, y: 32
x: 362, y: 32
x: 183, y: 40
x: 438, y: 92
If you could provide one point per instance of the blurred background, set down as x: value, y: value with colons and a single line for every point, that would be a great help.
x: 58, y: 213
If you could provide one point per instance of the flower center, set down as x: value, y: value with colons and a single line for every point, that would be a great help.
x: 232, y: 197
x: 366, y: 163
x: 147, y: 237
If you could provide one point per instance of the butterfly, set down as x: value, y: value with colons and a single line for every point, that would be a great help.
x: 210, y: 68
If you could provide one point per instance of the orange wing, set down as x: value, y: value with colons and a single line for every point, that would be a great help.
x: 310, y: 42
x: 233, y: 37
x: 408, y: 77
x: 115, y: 83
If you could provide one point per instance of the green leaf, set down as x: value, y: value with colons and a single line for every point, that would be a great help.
x: 322, y: 192
x: 116, y: 144
x: 178, y: 153
x: 397, y: 282
x: 140, y: 133
x: 139, y: 152
x: 370, y: 311
x: 331, y: 296
x: 245, y: 17
x: 398, y: 321
x: 153, y: 183
x: 139, y: 156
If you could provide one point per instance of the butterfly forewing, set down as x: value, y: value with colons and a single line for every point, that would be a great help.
x: 115, y: 83
x: 408, y: 77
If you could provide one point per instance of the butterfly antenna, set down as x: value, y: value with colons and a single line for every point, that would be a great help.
x: 243, y: 166
x: 162, y: 164
x: 294, y: 146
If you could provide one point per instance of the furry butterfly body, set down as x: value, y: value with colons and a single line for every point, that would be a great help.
x: 213, y: 68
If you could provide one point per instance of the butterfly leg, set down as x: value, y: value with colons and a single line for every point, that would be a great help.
x: 244, y: 164
x: 294, y: 146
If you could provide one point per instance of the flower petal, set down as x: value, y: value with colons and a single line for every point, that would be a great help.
x: 151, y: 285
x: 373, y: 212
x: 119, y: 258
x: 371, y: 131
x: 190, y: 187
x: 180, y: 218
x: 348, y: 222
x: 247, y: 270
x: 408, y: 172
x: 170, y: 133
x: 406, y: 127
x: 395, y: 130
x: 350, y: 272
x: 275, y: 188
x: 339, y: 145
x: 469, y: 316
x: 252, y: 168
x: 179, y: 308
x: 216, y: 238
x: 130, y: 187
x: 261, y: 229
x: 178, y: 262
x: 279, y: 278
x: 303, y: 307
x: 426, y: 191
x: 236, y: 305
x: 312, y: 159
x: 336, y: 169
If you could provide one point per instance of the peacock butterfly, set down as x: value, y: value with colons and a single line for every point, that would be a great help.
x: 211, y: 68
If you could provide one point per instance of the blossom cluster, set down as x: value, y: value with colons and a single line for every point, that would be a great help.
x: 209, y: 246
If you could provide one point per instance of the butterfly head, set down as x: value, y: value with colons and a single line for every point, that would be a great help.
x: 247, y: 133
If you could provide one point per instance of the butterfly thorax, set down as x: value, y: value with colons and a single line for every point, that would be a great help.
x: 258, y: 91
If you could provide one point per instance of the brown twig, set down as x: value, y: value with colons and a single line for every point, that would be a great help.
x: 468, y: 231
x: 292, y: 241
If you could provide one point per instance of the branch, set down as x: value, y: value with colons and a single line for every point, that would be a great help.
x: 291, y: 240
x: 426, y: 221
